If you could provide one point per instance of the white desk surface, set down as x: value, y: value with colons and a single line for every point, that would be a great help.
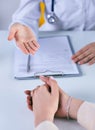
x: 14, y: 114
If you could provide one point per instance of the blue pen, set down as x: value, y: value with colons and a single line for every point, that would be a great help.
x: 28, y: 63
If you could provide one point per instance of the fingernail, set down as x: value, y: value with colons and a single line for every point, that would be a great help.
x: 51, y: 77
x: 31, y: 93
x: 79, y: 63
x: 41, y: 76
x: 89, y: 63
x: 38, y: 46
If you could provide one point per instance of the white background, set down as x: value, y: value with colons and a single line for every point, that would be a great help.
x: 7, y: 8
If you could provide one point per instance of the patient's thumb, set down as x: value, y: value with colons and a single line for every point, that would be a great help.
x: 11, y: 34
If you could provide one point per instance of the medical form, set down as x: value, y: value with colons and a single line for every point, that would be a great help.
x: 52, y: 58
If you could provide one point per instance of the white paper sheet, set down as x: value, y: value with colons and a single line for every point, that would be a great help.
x: 53, y: 57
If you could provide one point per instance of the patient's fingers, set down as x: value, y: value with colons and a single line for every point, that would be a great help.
x: 29, y: 102
x: 29, y: 99
x: 30, y: 107
x: 27, y: 92
x: 45, y: 79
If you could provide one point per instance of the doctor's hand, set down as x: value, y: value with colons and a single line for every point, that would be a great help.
x: 85, y: 55
x: 24, y: 38
x: 44, y: 102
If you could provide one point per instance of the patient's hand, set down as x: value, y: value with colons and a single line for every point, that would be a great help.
x: 85, y: 55
x: 63, y: 98
x: 65, y: 102
x: 24, y: 38
x: 44, y: 101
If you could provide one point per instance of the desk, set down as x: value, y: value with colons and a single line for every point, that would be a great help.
x: 14, y: 114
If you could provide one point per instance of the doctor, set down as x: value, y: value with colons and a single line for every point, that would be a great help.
x: 48, y: 15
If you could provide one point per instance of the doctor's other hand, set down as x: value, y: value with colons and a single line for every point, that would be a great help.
x: 85, y: 55
x: 24, y: 38
x: 44, y: 102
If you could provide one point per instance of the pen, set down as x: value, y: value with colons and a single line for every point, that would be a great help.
x: 28, y: 63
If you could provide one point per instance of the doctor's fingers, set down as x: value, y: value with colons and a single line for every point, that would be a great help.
x: 81, y: 51
x: 92, y: 61
x: 90, y: 47
x: 32, y: 47
x: 12, y: 33
x: 86, y: 59
x: 81, y: 56
x: 35, y: 43
x: 28, y: 47
x: 23, y: 47
x: 85, y: 56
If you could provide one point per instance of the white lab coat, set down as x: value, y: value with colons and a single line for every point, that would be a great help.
x: 85, y: 116
x: 73, y: 14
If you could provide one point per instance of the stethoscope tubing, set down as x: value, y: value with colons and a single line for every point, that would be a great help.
x: 51, y: 17
x: 52, y: 5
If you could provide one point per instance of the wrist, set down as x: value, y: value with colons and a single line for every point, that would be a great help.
x: 64, y: 106
x: 41, y: 118
x: 74, y: 107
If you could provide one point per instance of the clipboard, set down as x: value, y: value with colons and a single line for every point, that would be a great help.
x: 57, y: 49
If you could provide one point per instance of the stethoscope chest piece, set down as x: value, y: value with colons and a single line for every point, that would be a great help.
x: 52, y: 18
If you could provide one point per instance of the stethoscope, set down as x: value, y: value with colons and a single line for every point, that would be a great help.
x: 51, y: 17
